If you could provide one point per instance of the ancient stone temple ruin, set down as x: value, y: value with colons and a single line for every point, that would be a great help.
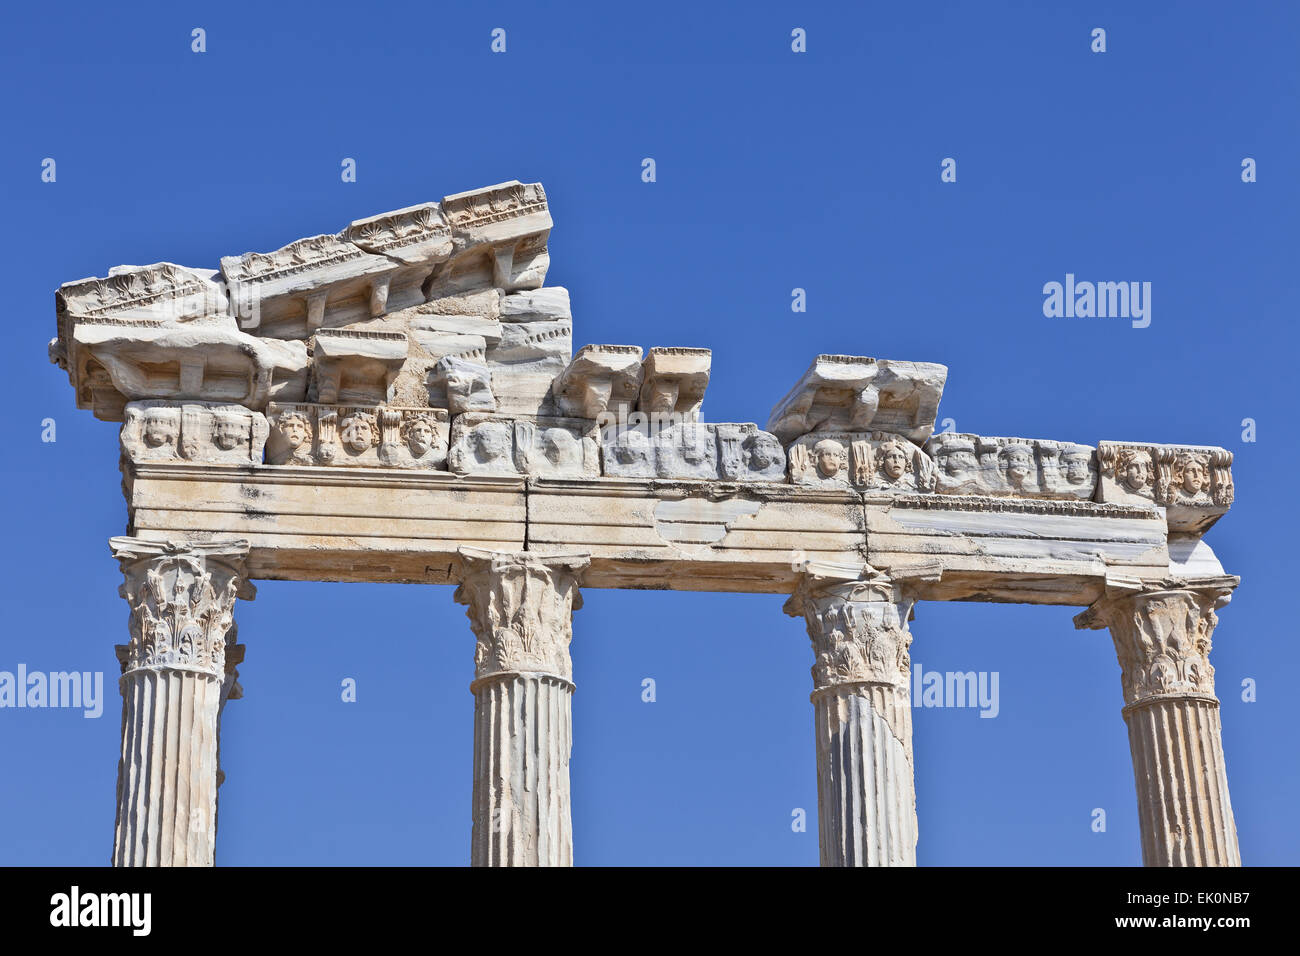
x: 400, y: 401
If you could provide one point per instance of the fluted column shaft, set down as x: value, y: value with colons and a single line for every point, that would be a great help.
x: 521, y: 609
x: 178, y: 670
x: 865, y: 781
x: 1162, y: 637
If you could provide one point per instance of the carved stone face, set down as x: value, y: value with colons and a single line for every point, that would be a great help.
x: 764, y: 451
x: 1136, y: 473
x: 356, y: 433
x: 1019, y: 463
x: 419, y: 437
x: 631, y: 447
x: 894, y: 462
x: 227, y: 433
x: 663, y: 395
x: 294, y: 431
x: 1194, y: 476
x: 491, y: 442
x: 1077, y: 470
x: 159, y: 429
x: 558, y: 446
x: 959, y: 463
x: 829, y: 457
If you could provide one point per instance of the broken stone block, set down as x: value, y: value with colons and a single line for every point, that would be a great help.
x: 467, y: 385
x: 355, y: 366
x: 416, y: 235
x: 674, y: 381
x: 602, y: 380
x: 513, y: 222
x: 854, y: 393
x: 540, y: 305
x: 206, y: 360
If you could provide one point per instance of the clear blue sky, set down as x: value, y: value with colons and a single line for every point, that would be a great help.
x: 775, y: 171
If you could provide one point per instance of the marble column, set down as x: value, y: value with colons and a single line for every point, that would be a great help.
x: 520, y: 606
x: 178, y: 670
x: 1162, y: 635
x: 865, y: 784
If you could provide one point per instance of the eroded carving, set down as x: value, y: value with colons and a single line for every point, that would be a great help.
x: 467, y: 384
x: 547, y: 447
x: 867, y: 461
x: 856, y: 393
x: 1194, y: 483
x: 673, y: 382
x: 196, y: 432
x: 727, y: 451
x: 374, y: 436
x: 520, y: 607
x: 601, y: 380
x: 1162, y: 633
x: 182, y: 601
x: 968, y: 464
x: 858, y: 628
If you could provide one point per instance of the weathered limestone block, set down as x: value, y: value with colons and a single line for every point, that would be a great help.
x: 547, y: 447
x: 602, y: 380
x: 355, y: 366
x: 535, y: 346
x: 466, y: 384
x: 728, y: 451
x: 416, y: 235
x: 162, y: 292
x: 384, y: 436
x: 539, y: 305
x: 285, y: 293
x: 203, y: 433
x: 856, y: 393
x: 1162, y: 632
x: 1026, y: 468
x: 520, y: 607
x: 178, y: 671
x: 867, y: 461
x: 513, y: 221
x: 206, y: 360
x: 673, y: 383
x: 485, y: 303
x: 1193, y: 482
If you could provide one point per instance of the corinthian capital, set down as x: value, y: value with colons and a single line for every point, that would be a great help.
x: 182, y: 599
x: 521, y: 606
x: 1162, y: 632
x: 857, y: 619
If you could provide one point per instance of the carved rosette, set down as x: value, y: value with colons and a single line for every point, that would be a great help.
x: 182, y: 600
x: 520, y: 607
x: 858, y: 629
x: 1162, y: 635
